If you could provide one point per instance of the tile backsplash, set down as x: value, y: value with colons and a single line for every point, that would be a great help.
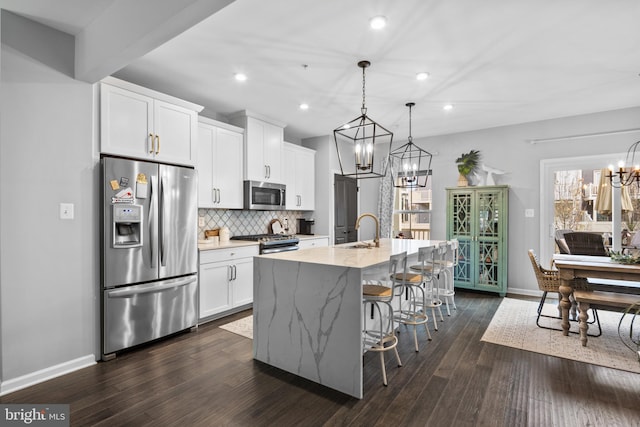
x: 242, y: 222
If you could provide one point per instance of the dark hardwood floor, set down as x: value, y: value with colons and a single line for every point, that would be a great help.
x: 208, y: 378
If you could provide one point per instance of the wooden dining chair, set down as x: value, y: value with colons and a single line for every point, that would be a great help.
x: 549, y: 281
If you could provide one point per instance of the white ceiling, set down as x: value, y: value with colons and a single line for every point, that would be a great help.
x: 498, y: 62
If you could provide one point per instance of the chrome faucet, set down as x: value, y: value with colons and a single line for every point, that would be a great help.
x: 375, y: 218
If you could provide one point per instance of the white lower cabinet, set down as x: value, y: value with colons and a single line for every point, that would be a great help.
x: 226, y: 279
x: 214, y: 288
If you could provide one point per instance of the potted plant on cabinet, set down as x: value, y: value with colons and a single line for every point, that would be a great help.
x: 467, y: 164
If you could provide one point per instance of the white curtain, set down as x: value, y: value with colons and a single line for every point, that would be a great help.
x: 385, y: 204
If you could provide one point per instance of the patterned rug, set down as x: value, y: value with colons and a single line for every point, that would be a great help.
x: 242, y: 327
x: 514, y: 325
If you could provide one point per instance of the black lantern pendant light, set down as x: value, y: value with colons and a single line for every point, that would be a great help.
x: 410, y: 164
x: 362, y: 138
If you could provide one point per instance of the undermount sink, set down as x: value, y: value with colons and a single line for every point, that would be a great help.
x: 362, y: 246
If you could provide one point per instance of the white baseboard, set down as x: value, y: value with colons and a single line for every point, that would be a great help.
x: 42, y: 375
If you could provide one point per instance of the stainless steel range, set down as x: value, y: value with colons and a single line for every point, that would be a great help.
x: 272, y: 243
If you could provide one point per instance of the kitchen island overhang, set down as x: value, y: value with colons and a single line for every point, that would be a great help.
x: 307, y: 309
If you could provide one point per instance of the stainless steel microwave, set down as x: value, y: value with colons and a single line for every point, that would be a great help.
x: 264, y: 196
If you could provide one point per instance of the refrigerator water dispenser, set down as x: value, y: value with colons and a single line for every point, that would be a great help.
x: 127, y: 230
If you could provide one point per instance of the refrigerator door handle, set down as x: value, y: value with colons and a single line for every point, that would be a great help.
x: 161, y: 230
x: 145, y: 289
x: 153, y: 229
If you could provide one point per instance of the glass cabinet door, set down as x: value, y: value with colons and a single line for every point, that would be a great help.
x: 488, y: 216
x: 461, y: 228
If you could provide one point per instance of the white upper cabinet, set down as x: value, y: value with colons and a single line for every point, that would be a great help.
x: 144, y: 124
x: 263, y: 141
x: 219, y: 165
x: 299, y: 177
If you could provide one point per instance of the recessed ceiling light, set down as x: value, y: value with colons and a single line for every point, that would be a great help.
x: 241, y: 77
x: 422, y: 76
x: 304, y: 106
x: 448, y: 107
x: 378, y: 22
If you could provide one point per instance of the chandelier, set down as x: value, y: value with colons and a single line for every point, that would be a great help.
x: 362, y: 138
x: 626, y: 177
x: 410, y: 164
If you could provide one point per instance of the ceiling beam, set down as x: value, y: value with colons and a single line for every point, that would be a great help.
x: 128, y: 30
x: 44, y: 44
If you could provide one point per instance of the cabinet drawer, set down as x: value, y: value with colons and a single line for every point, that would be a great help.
x: 313, y: 243
x: 216, y: 255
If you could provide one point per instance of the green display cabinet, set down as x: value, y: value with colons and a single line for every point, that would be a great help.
x: 478, y: 217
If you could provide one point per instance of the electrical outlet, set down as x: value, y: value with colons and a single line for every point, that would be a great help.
x: 66, y: 210
x: 529, y: 213
x: 200, y: 221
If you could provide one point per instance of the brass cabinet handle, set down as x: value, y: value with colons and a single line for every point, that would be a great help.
x: 158, y: 146
x: 152, y: 144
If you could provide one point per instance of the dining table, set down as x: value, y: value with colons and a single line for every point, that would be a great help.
x: 599, y: 272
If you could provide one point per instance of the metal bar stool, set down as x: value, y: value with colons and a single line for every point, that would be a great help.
x: 381, y: 337
x: 431, y: 260
x: 448, y: 267
x: 411, y: 299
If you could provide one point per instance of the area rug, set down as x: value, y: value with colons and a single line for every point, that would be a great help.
x: 242, y: 327
x: 514, y: 325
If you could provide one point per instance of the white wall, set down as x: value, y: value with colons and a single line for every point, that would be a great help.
x: 507, y: 148
x: 323, y: 214
x: 48, y: 267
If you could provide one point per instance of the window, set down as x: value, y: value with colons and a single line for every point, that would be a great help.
x: 412, y: 212
x: 568, y: 190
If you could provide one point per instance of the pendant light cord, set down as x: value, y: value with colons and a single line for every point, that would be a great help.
x: 410, y: 138
x: 363, y: 109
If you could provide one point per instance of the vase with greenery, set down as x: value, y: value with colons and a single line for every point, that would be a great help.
x: 467, y: 164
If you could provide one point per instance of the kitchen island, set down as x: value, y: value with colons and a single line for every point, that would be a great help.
x: 307, y: 309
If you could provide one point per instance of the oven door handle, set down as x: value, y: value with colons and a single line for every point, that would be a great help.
x: 279, y: 249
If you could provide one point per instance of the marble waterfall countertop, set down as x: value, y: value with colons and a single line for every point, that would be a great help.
x: 345, y: 255
x: 307, y: 310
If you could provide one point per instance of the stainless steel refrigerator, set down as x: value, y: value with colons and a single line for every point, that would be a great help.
x: 149, y: 252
